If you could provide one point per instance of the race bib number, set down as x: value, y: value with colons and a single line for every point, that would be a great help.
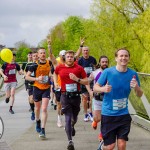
x: 119, y: 104
x: 45, y: 79
x: 12, y: 71
x: 71, y: 87
x: 32, y: 74
x: 88, y: 70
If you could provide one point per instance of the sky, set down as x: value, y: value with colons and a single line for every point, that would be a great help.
x: 31, y: 20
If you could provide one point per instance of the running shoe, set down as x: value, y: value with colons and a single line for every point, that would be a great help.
x: 38, y: 126
x: 11, y: 111
x: 94, y: 125
x: 55, y: 107
x: 86, y: 117
x: 70, y: 146
x: 90, y: 116
x: 42, y: 134
x: 7, y: 100
x: 52, y: 103
x: 59, y: 123
x: 100, y: 138
x: 32, y: 116
x: 73, y: 131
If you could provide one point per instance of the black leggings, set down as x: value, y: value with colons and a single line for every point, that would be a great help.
x: 71, y: 108
x: 70, y: 122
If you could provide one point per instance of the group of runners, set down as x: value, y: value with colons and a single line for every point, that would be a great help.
x: 74, y: 79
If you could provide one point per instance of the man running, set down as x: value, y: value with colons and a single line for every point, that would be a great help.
x: 88, y: 63
x: 41, y: 90
x: 98, y: 97
x: 29, y: 84
x: 24, y: 65
x: 8, y: 72
x: 116, y: 83
x: 71, y: 75
x: 61, y: 61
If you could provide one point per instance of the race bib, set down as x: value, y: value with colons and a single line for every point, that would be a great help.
x: 88, y: 70
x: 32, y: 74
x: 119, y: 104
x: 12, y: 71
x: 58, y: 90
x: 71, y: 87
x: 45, y: 79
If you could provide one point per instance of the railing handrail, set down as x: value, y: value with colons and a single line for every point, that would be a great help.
x: 145, y: 74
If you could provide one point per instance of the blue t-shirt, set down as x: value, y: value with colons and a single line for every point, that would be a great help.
x: 115, y: 103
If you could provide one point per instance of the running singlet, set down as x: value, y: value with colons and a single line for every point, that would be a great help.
x: 28, y: 65
x: 44, y: 70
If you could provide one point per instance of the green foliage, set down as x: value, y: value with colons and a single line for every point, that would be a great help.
x: 57, y: 37
x: 22, y: 51
x: 114, y: 24
x: 73, y: 30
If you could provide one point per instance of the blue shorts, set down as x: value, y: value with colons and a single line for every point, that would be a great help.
x: 39, y: 94
x: 115, y: 127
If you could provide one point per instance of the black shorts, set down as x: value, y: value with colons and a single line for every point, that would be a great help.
x: 70, y: 104
x: 26, y: 85
x: 83, y: 89
x: 38, y: 94
x: 30, y: 90
x: 115, y: 127
x: 57, y: 95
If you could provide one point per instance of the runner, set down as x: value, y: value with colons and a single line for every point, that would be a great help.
x: 116, y: 83
x: 61, y: 61
x: 29, y: 84
x: 71, y: 75
x: 41, y: 90
x: 8, y: 72
x: 29, y: 61
x: 98, y: 97
x: 88, y: 63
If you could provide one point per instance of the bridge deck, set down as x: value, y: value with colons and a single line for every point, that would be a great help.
x: 20, y: 132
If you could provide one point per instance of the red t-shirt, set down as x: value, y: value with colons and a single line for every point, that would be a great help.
x: 10, y: 72
x: 64, y: 72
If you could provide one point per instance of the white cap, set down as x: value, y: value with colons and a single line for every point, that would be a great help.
x: 62, y: 52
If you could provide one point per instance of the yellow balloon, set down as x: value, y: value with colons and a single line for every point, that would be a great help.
x: 6, y: 55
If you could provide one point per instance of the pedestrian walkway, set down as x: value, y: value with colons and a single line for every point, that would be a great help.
x: 20, y: 131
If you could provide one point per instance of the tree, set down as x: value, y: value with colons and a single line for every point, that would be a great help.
x: 73, y: 30
x: 118, y: 19
x: 23, y: 49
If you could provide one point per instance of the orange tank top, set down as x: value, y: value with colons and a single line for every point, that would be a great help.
x: 44, y: 70
x: 58, y: 79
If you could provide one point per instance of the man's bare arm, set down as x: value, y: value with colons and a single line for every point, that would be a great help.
x: 51, y: 56
x: 77, y: 55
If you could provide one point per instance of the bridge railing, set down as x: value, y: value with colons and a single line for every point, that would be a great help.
x: 138, y: 106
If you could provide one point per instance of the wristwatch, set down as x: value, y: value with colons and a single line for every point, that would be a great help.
x: 79, y: 80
